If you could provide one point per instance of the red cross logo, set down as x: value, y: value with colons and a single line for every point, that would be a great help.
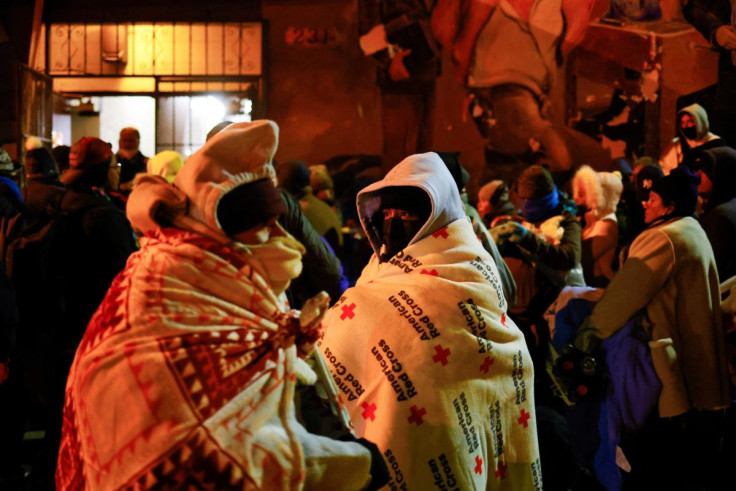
x: 486, y: 364
x: 416, y: 415
x: 370, y: 411
x: 478, y: 465
x: 431, y: 273
x: 441, y: 233
x: 524, y: 418
x: 501, y: 471
x: 503, y: 320
x: 347, y: 312
x: 442, y: 354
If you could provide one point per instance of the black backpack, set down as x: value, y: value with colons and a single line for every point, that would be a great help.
x: 30, y: 262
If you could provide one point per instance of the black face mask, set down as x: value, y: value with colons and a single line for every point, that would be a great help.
x: 691, y: 133
x: 397, y: 233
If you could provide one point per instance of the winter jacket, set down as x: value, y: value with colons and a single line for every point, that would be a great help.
x: 720, y: 227
x: 681, y: 149
x: 38, y: 193
x: 321, y: 271
x: 671, y: 274
x: 97, y: 241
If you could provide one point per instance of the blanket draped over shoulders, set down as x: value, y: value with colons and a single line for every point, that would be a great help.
x: 203, y: 351
x: 432, y: 369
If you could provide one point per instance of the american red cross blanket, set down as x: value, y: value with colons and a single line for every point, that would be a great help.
x: 433, y: 371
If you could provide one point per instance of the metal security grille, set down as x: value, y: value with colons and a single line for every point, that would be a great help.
x: 36, y: 103
x: 183, y: 121
x: 151, y: 49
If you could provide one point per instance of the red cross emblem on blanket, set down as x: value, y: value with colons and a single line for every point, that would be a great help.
x: 524, y: 418
x: 501, y: 471
x: 347, y: 312
x: 441, y: 233
x: 370, y: 411
x: 486, y: 365
x: 503, y: 320
x: 416, y: 415
x: 432, y: 272
x: 442, y: 354
x: 478, y: 465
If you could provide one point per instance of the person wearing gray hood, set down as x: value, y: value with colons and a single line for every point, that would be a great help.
x: 693, y: 132
x: 429, y: 366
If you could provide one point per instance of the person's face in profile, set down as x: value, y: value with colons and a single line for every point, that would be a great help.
x: 258, y: 234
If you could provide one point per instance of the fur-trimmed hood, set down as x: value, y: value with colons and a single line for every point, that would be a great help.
x: 600, y: 191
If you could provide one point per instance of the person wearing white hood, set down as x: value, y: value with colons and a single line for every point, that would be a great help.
x: 430, y: 367
x: 186, y: 374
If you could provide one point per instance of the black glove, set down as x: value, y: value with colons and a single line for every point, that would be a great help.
x: 379, y: 469
x: 581, y: 375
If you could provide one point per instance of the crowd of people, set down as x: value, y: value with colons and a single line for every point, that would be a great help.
x: 227, y: 321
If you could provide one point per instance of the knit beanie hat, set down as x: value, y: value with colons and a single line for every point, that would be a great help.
x: 645, y: 179
x: 165, y: 164
x: 719, y: 165
x: 41, y: 164
x: 319, y: 178
x: 61, y: 156
x: 86, y: 154
x: 293, y: 176
x: 679, y: 187
x: 534, y: 183
x: 7, y: 166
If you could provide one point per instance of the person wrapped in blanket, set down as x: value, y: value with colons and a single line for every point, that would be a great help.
x: 186, y: 374
x: 670, y: 277
x: 543, y: 250
x: 428, y: 363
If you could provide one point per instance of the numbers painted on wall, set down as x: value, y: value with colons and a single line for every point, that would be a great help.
x: 309, y: 37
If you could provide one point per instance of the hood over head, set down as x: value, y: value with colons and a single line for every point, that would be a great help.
x: 239, y: 154
x: 293, y: 176
x: 600, y: 191
x: 719, y: 165
x: 459, y: 174
x: 425, y: 171
x: 700, y: 117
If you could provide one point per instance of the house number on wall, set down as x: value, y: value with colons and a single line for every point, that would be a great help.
x: 307, y: 36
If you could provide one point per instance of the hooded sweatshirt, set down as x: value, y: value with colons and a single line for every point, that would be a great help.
x: 678, y: 152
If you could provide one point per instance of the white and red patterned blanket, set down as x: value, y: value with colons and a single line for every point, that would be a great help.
x: 185, y: 379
